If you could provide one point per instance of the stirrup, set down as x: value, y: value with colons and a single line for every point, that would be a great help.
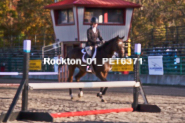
x: 88, y: 69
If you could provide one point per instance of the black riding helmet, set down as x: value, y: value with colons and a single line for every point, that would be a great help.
x: 94, y: 20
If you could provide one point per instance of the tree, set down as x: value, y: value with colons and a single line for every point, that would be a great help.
x: 20, y: 19
x: 7, y: 15
x: 157, y: 14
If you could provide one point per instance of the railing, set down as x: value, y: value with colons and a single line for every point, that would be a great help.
x: 54, y: 48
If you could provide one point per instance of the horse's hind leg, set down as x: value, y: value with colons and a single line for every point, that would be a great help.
x: 77, y: 77
x: 70, y: 78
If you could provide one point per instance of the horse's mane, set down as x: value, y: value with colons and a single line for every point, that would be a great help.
x: 107, y: 43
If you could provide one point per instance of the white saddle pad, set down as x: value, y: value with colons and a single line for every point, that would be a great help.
x: 84, y: 53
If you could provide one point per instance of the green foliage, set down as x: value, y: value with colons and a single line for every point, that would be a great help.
x: 24, y: 17
x: 156, y: 14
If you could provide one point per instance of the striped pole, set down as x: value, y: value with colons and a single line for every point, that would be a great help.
x: 26, y: 48
x: 137, y: 77
x: 23, y: 84
x: 137, y: 52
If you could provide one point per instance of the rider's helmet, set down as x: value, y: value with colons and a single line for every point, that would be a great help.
x: 94, y: 20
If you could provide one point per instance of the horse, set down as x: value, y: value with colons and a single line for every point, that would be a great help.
x: 106, y: 50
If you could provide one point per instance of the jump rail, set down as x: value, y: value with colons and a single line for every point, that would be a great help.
x: 83, y: 85
x: 30, y: 73
x: 24, y: 114
x: 9, y: 85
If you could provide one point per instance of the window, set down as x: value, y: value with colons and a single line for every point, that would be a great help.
x: 105, y: 16
x: 64, y: 17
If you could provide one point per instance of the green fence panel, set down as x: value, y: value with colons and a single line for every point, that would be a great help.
x: 16, y: 65
x: 169, y: 65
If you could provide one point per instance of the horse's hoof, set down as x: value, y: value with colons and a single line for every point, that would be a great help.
x: 71, y: 97
x: 103, y: 100
x: 80, y: 95
x: 99, y: 95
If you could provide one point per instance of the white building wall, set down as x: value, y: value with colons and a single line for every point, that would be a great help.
x: 65, y: 33
x: 129, y: 12
x: 107, y: 31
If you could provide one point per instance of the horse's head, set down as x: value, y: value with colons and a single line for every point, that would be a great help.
x: 114, y: 45
x: 119, y: 46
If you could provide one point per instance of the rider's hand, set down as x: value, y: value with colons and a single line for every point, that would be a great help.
x: 103, y: 41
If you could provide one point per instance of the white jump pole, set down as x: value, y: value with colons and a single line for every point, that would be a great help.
x: 43, y: 73
x: 9, y: 85
x: 30, y: 73
x: 10, y: 73
x: 83, y: 85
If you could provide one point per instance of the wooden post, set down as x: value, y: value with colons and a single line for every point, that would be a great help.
x: 62, y: 54
x: 66, y: 73
x: 58, y: 70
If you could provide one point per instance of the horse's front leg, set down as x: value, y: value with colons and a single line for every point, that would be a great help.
x: 70, y: 78
x: 80, y: 94
x: 100, y: 93
x: 102, y: 77
x: 104, y: 91
x: 77, y: 77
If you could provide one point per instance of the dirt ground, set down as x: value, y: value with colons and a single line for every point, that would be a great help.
x: 171, y: 100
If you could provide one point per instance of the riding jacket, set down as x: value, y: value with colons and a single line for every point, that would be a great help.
x: 92, y: 37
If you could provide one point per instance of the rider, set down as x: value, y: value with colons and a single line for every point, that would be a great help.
x: 92, y: 34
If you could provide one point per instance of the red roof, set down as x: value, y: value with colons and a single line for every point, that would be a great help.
x: 92, y: 3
